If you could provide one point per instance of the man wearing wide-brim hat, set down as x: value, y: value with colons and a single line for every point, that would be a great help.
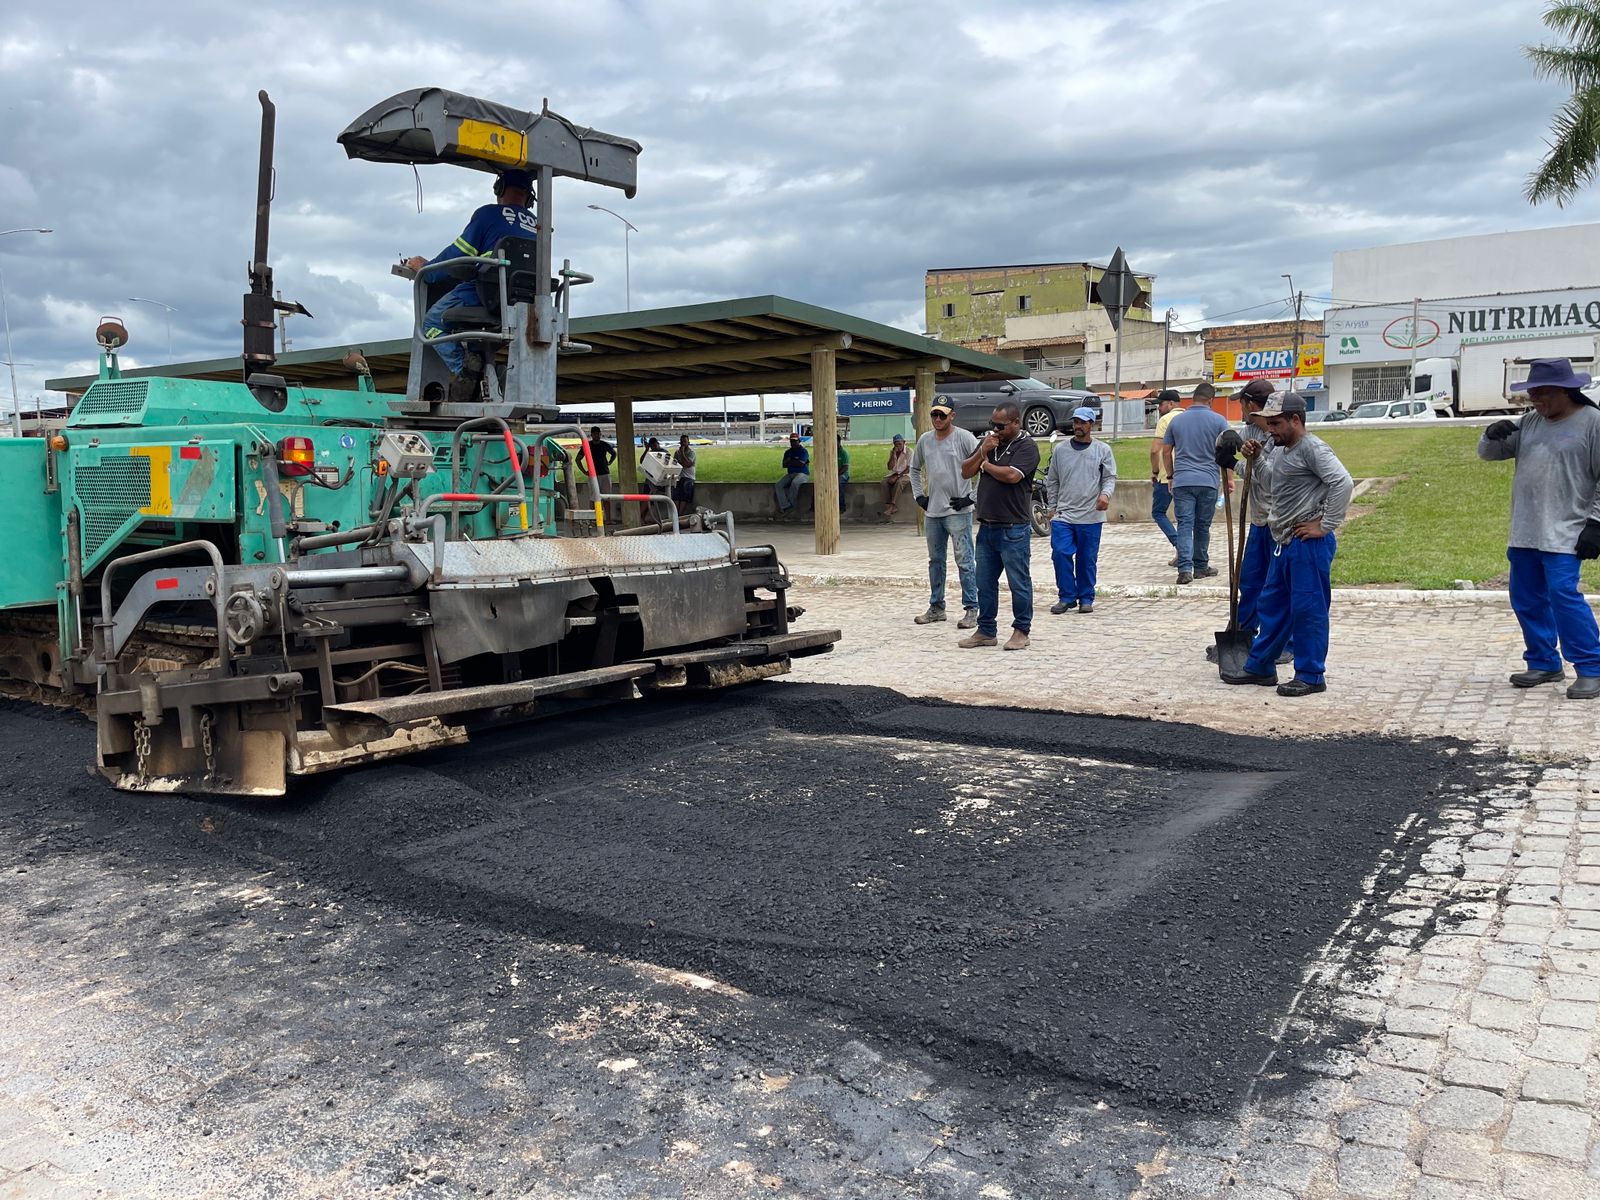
x: 1555, y: 523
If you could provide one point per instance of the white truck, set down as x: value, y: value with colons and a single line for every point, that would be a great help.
x: 1479, y: 379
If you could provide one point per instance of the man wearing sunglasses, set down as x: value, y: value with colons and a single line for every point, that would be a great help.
x: 1004, y: 463
x: 944, y: 493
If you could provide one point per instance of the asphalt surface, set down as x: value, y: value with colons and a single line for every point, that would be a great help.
x: 1095, y: 907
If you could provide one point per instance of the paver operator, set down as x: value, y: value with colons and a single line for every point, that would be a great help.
x: 946, y: 496
x: 1310, y: 496
x: 508, y: 216
x: 1004, y: 463
x: 1078, y: 486
x: 1555, y: 523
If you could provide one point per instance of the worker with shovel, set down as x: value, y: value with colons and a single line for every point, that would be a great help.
x: 1249, y: 565
x: 1310, y: 496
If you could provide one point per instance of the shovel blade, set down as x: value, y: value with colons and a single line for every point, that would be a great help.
x: 1233, y: 649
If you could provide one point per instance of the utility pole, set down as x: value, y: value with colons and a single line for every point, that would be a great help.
x: 1411, y: 374
x: 1294, y: 353
x: 1166, y: 345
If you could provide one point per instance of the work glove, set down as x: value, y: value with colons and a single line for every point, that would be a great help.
x: 1589, y: 539
x: 961, y: 503
x: 922, y: 503
x: 1228, y: 443
x: 1500, y: 431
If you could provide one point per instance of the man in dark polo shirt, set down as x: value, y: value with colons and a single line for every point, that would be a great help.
x: 1005, y: 462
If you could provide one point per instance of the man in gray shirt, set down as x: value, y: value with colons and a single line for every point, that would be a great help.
x: 946, y: 498
x: 1555, y: 522
x: 1078, y: 486
x: 1191, y: 459
x: 1310, y: 496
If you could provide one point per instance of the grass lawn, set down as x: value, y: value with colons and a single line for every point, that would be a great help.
x: 1444, y: 518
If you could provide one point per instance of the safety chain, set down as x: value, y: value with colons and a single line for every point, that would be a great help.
x: 207, y: 744
x: 141, y: 748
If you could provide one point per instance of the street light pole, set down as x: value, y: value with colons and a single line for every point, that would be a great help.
x: 11, y: 365
x: 627, y: 272
x: 1294, y: 354
x: 170, y: 311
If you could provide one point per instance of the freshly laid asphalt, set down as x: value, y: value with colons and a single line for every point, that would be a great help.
x: 1098, y: 907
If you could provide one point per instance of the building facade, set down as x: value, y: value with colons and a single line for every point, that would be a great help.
x: 1499, y: 296
x: 1045, y: 315
x: 1278, y: 351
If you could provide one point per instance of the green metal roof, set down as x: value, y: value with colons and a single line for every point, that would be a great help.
x: 725, y: 348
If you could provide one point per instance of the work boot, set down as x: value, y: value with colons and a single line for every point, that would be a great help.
x: 973, y: 640
x: 464, y: 390
x: 1584, y: 687
x: 1173, y: 561
x: 969, y: 619
x: 1285, y: 658
x: 1299, y: 687
x: 1204, y: 572
x: 1061, y: 606
x: 929, y: 617
x: 1086, y: 607
x: 1528, y: 679
x: 1211, y: 653
x: 1185, y: 577
x: 1247, y: 677
x: 1019, y: 641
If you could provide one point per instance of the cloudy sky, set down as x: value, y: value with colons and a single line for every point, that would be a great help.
x: 829, y: 151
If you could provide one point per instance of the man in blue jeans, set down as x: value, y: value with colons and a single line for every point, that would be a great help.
x: 1005, y: 462
x: 1167, y: 411
x: 1190, y: 449
x: 946, y: 497
x: 796, y: 470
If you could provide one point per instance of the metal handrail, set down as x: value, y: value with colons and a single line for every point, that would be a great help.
x: 217, y: 598
x: 455, y: 467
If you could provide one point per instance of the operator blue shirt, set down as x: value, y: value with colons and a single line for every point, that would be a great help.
x: 1193, y: 438
x: 484, y: 231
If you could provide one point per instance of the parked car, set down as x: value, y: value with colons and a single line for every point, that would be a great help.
x: 1325, y: 415
x: 1044, y: 409
x: 1393, y: 410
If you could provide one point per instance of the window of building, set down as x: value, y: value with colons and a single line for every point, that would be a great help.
x: 949, y: 310
x: 1024, y: 303
x: 1108, y: 348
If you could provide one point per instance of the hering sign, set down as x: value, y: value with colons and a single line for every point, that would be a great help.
x: 1385, y: 333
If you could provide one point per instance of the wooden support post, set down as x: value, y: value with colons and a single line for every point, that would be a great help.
x: 921, y: 421
x: 825, y: 451
x: 627, y: 461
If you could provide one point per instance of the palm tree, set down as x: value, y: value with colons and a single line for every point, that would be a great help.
x: 1574, y: 130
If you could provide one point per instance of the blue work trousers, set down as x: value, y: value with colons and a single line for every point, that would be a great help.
x: 437, y: 321
x: 1160, y: 502
x: 1253, y: 570
x: 1195, y: 507
x: 1294, y: 604
x: 942, y: 532
x: 1004, y: 548
x: 1551, y: 610
x: 1075, y: 554
x: 788, y: 489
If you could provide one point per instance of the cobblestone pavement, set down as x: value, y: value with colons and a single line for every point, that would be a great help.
x: 238, y: 1032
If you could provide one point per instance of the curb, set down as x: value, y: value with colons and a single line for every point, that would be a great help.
x: 1439, y: 598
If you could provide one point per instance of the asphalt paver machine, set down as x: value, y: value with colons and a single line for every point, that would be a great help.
x: 247, y: 581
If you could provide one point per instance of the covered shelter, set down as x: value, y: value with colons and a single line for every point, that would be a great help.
x: 756, y: 344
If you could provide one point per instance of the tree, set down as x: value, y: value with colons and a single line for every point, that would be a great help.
x: 1574, y: 154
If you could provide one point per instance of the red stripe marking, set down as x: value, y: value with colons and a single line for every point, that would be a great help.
x: 189, y: 452
x: 633, y: 497
x: 166, y: 585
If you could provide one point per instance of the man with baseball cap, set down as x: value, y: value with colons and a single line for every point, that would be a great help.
x: 946, y: 497
x: 508, y: 216
x: 1078, y: 486
x: 1555, y: 523
x: 1310, y: 496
